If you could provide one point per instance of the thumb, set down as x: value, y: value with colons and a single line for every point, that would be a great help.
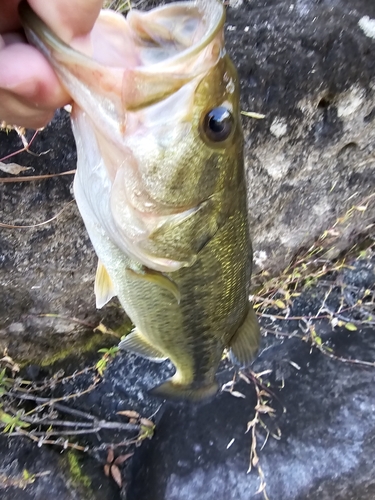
x: 69, y: 19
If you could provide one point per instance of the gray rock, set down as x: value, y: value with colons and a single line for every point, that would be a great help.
x: 309, y: 67
x: 326, y: 447
x: 53, y: 475
x: 47, y: 269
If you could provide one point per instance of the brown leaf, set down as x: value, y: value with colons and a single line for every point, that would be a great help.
x: 116, y: 474
x: 264, y: 393
x: 110, y: 456
x: 147, y: 423
x: 264, y: 409
x: 251, y: 424
x: 244, y: 377
x: 107, y: 469
x: 13, y: 168
x: 129, y: 413
x: 237, y: 394
x: 122, y: 458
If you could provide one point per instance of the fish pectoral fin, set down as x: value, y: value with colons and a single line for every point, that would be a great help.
x: 137, y: 343
x: 245, y: 343
x: 180, y: 392
x: 183, y: 235
x: 103, y: 288
x: 156, y: 278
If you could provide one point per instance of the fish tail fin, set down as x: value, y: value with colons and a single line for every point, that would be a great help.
x: 179, y: 392
x: 245, y: 343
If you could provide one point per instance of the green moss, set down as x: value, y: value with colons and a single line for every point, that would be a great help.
x: 124, y: 329
x: 79, y: 479
x: 73, y: 346
x: 87, y: 344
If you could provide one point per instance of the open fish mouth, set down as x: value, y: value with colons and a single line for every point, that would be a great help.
x: 162, y: 49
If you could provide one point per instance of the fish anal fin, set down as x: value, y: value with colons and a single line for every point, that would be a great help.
x: 104, y: 290
x: 137, y: 343
x: 180, y: 392
x: 245, y: 343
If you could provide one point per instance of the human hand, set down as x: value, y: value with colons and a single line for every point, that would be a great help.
x: 29, y: 89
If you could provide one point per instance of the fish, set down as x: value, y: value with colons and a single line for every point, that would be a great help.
x: 160, y: 183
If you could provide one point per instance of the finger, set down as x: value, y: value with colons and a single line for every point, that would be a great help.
x: 22, y: 113
x: 68, y: 19
x: 9, y: 16
x: 25, y: 73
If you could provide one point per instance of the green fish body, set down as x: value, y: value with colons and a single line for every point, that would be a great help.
x: 160, y: 183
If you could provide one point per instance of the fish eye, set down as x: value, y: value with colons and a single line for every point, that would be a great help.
x: 218, y: 124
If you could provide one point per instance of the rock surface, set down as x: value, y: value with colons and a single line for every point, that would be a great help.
x: 309, y: 67
x: 326, y: 440
x: 46, y: 269
x: 54, y: 477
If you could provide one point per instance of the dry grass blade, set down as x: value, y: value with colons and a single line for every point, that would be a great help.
x: 13, y: 226
x: 262, y: 408
x: 252, y: 114
x: 26, y: 144
x: 118, y: 5
x: 30, y: 178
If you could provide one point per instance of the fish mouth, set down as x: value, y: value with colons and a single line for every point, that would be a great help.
x: 135, y: 62
x: 199, y: 23
x: 151, y: 46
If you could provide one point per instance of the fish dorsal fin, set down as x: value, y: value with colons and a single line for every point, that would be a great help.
x: 138, y: 344
x: 103, y: 287
x: 245, y: 343
x: 157, y: 279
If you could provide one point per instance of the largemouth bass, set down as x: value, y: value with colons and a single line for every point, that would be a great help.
x: 160, y: 182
